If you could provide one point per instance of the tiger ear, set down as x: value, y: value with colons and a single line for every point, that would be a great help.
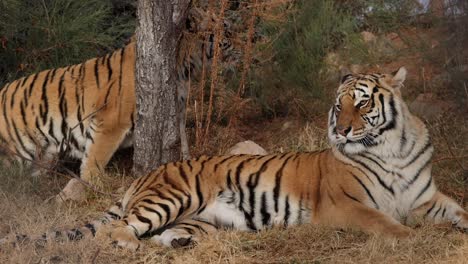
x: 345, y: 73
x: 398, y: 77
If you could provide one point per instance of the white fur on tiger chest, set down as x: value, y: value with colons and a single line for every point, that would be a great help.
x: 406, y: 178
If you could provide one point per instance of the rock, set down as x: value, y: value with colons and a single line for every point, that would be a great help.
x: 368, y: 36
x: 428, y: 107
x: 247, y: 147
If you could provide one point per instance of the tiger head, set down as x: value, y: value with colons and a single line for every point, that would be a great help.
x: 366, y: 107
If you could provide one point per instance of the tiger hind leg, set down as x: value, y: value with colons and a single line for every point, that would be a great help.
x: 185, y: 233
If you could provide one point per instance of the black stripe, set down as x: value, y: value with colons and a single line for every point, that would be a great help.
x: 189, y: 229
x: 44, y: 107
x: 388, y: 188
x: 82, y: 78
x: 163, y: 196
x: 25, y: 80
x: 96, y: 73
x: 199, y: 192
x: 252, y: 183
x: 349, y: 195
x: 166, y: 209
x: 183, y: 174
x: 146, y: 221
x: 430, y: 210
x: 91, y: 228
x: 25, y: 97
x: 264, y: 210
x: 51, y: 131
x: 31, y: 85
x: 403, y: 138
x: 229, y: 180
x: 20, y: 140
x: 38, y: 128
x: 23, y: 116
x: 378, y: 164
x: 239, y: 185
x: 189, y: 162
x: 151, y: 210
x: 15, y: 90
x: 287, y: 211
x: 109, y: 66
x: 426, y: 187
x: 418, y: 173
x: 111, y: 84
x: 75, y: 234
x: 54, y: 71
x: 438, y: 210
x: 195, y: 226
x: 221, y: 162
x: 277, y: 188
x: 392, y: 123
x: 113, y: 215
x: 420, y: 152
x: 367, y: 191
x: 122, y: 51
x: 359, y: 89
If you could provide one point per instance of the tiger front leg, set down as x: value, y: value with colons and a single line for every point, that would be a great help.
x: 100, y: 147
x: 440, y: 208
x: 367, y: 219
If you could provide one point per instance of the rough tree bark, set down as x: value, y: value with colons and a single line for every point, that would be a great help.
x: 157, y: 134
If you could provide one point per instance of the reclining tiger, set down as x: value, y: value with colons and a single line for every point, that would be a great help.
x: 72, y: 110
x: 376, y: 174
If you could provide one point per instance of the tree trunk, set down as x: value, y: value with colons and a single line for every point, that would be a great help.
x: 156, y: 132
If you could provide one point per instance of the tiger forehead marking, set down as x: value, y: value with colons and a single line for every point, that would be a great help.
x: 358, y: 87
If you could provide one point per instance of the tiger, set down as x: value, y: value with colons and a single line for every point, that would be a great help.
x: 87, y: 111
x: 375, y: 176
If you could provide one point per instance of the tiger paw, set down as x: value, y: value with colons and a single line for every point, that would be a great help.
x: 73, y: 191
x: 174, y: 239
x: 124, y: 237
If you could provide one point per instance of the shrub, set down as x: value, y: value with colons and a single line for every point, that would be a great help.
x: 36, y: 35
x: 312, y: 29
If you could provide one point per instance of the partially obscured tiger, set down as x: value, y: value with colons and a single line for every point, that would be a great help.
x: 377, y: 173
x: 88, y: 110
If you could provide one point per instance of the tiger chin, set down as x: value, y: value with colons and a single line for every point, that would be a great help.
x: 376, y: 174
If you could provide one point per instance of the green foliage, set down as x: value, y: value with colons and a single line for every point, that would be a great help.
x: 388, y: 15
x: 313, y: 29
x: 36, y: 35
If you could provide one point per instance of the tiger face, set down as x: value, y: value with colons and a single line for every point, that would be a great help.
x: 365, y: 108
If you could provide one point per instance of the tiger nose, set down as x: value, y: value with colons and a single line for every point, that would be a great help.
x: 343, y: 130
